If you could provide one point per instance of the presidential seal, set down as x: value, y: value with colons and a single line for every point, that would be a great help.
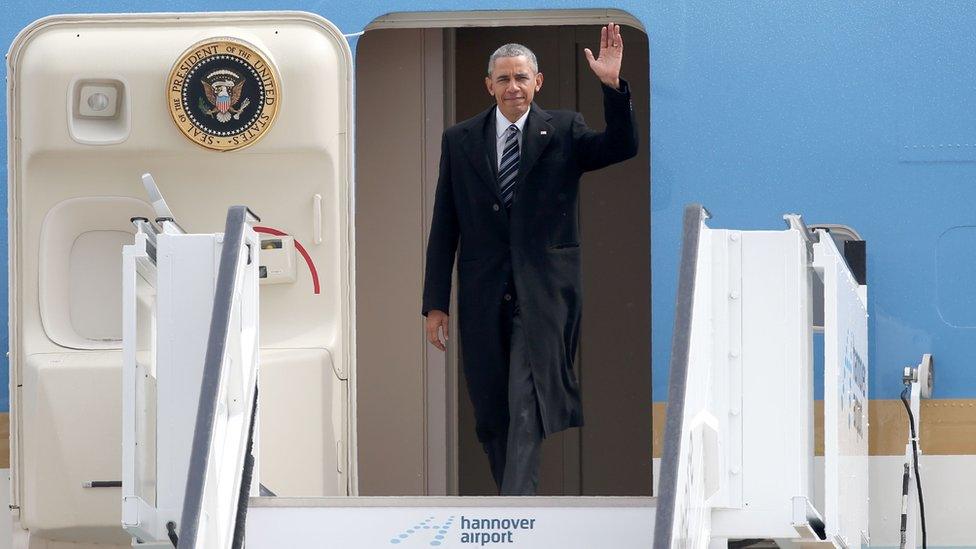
x: 223, y: 94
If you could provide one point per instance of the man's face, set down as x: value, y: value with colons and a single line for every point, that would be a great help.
x: 513, y: 83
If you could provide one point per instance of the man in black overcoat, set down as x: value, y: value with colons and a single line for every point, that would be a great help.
x: 508, y: 194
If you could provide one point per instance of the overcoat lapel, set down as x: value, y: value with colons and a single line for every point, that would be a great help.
x: 475, y: 146
x: 491, y: 146
x: 535, y: 139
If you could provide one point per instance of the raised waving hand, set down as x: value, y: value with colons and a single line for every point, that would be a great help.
x: 607, y: 66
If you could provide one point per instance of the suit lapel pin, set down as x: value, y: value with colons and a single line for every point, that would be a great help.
x: 543, y: 132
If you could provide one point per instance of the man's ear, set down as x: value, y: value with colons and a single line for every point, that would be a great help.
x: 488, y: 86
x: 538, y: 81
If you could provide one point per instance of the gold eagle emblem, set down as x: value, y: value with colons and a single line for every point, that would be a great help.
x: 223, y: 90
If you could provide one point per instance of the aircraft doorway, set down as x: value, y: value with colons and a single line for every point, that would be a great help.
x: 415, y: 422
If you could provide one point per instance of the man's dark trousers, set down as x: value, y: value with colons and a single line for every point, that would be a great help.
x: 514, y: 455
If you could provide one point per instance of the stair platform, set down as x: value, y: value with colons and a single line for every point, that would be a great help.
x: 372, y: 522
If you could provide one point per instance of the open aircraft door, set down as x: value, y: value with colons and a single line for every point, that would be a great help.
x: 222, y: 109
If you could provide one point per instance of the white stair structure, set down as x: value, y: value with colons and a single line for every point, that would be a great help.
x: 189, y: 402
x: 738, y: 457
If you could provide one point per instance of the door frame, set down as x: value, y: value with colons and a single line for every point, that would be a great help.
x: 441, y: 406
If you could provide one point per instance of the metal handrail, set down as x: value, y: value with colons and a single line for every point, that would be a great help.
x: 230, y: 262
x: 678, y: 375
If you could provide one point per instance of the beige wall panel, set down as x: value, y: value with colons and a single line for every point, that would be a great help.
x: 389, y: 262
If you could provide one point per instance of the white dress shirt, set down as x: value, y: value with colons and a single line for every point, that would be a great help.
x: 501, y: 128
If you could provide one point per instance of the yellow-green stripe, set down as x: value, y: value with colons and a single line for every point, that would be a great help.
x: 948, y: 427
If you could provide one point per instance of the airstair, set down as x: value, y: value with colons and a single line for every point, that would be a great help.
x: 738, y: 459
x: 189, y: 403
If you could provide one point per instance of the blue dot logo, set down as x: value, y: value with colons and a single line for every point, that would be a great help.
x: 438, y: 527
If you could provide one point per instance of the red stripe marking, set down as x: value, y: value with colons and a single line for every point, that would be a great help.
x: 301, y: 250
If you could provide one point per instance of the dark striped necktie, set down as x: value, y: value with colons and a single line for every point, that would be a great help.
x: 508, y: 168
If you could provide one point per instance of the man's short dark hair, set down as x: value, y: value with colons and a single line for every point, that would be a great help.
x: 513, y: 50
